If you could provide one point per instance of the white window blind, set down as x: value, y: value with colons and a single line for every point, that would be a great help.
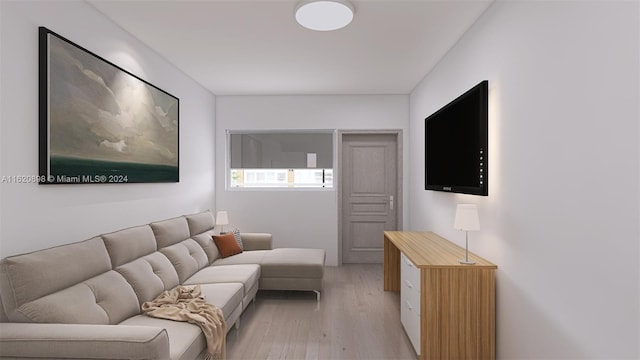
x: 271, y: 159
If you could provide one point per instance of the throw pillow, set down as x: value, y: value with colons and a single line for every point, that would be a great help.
x: 227, y: 244
x: 236, y: 234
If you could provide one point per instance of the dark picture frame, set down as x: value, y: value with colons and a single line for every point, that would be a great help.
x: 100, y: 123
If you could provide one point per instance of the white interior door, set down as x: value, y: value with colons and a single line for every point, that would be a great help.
x: 369, y: 195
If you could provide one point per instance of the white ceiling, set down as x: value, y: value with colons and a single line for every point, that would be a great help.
x: 255, y: 47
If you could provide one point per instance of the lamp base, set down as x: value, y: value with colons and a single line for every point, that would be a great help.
x: 466, y: 262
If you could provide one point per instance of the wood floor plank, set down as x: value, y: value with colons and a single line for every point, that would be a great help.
x: 355, y: 319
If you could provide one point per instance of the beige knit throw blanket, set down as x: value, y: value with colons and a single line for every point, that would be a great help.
x: 185, y: 303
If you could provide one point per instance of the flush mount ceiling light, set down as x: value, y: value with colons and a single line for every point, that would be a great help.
x: 324, y: 15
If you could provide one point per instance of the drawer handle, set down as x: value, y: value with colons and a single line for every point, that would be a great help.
x: 409, y: 285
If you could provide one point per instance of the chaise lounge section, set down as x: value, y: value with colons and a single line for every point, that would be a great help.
x: 82, y: 300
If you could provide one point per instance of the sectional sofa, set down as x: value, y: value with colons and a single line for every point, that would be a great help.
x: 82, y: 300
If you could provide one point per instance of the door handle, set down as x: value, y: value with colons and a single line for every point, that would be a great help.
x: 391, y: 202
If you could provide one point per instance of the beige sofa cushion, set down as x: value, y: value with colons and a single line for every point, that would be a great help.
x: 200, y: 222
x: 171, y: 231
x: 246, y: 274
x: 105, y: 299
x: 187, y: 257
x: 186, y: 340
x: 206, y: 242
x: 246, y: 257
x: 226, y: 296
x: 129, y: 244
x: 82, y: 341
x: 293, y: 263
x: 149, y: 276
x: 24, y: 278
x: 256, y: 241
x: 3, y: 315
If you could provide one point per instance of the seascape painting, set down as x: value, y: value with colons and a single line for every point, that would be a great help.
x: 100, y: 123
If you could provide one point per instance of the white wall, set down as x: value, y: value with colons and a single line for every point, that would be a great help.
x: 36, y: 216
x: 561, y: 218
x: 297, y: 218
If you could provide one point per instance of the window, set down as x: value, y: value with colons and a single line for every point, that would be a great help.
x: 297, y: 159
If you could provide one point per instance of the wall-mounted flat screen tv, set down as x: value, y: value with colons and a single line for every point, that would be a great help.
x: 456, y: 144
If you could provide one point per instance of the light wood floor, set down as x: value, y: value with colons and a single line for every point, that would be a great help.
x: 355, y: 319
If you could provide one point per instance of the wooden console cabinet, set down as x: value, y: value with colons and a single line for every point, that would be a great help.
x: 457, y: 302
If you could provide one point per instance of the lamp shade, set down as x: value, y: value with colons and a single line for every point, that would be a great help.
x: 466, y: 218
x: 222, y: 218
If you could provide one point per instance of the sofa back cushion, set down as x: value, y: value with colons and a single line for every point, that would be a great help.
x: 187, y: 257
x: 3, y: 315
x: 200, y: 222
x: 105, y: 299
x: 25, y: 278
x: 149, y: 276
x: 205, y: 240
x: 171, y: 231
x: 129, y: 244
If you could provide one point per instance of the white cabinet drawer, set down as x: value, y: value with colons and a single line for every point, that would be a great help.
x: 412, y: 327
x: 414, y: 299
x: 412, y: 272
x: 410, y: 300
x: 405, y: 315
x: 410, y: 293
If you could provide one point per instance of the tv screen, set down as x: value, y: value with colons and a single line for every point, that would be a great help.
x: 456, y: 144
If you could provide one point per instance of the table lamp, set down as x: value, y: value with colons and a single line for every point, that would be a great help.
x: 222, y: 219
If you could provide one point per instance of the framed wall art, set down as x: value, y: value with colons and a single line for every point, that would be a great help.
x: 100, y: 123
